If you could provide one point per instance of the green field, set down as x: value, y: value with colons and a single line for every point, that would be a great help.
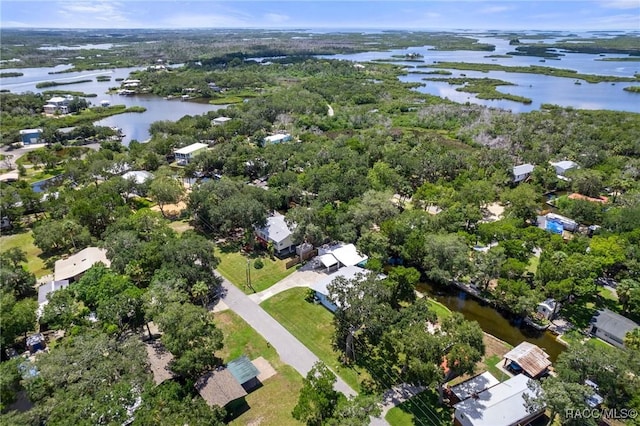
x: 233, y: 266
x: 312, y: 324
x: 24, y: 241
x: 272, y: 403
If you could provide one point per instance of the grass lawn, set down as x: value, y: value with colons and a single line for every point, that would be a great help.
x: 313, y: 325
x: 272, y: 403
x: 423, y: 409
x: 437, y: 307
x: 233, y: 266
x: 534, y: 261
x: 24, y: 241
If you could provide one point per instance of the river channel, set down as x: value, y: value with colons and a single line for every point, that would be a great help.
x: 492, y: 321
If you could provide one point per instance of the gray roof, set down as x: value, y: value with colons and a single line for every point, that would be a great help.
x: 502, y: 404
x: 613, y: 324
x: 276, y: 229
x: 219, y: 388
x: 348, y: 273
x: 242, y: 369
x: 522, y: 169
x: 50, y: 287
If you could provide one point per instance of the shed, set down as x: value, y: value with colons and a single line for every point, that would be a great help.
x: 30, y: 136
x: 219, y: 387
x: 548, y: 308
x: 244, y: 372
x: 74, y: 266
x: 528, y: 358
x: 611, y: 327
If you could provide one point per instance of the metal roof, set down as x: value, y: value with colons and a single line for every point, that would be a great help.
x: 522, y: 169
x: 242, y: 369
x: 191, y: 148
x: 79, y: 263
x: 474, y: 386
x: 50, y: 287
x: 276, y: 229
x: 502, y: 404
x: 530, y: 358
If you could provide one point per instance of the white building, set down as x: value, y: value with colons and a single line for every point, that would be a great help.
x: 277, y: 138
x: 522, y: 172
x: 500, y: 405
x: 138, y: 176
x: 74, y: 266
x: 548, y: 309
x: 186, y: 154
x: 277, y: 232
x: 218, y: 121
x: 563, y: 167
x: 58, y: 104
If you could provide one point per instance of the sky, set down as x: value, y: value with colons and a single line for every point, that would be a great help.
x: 364, y: 14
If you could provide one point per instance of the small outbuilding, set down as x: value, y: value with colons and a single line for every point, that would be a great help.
x: 219, y: 387
x: 218, y: 121
x: 277, y: 138
x: 244, y: 372
x: 35, y: 343
x: 522, y: 172
x: 529, y: 359
x: 548, y: 309
x: 30, y: 136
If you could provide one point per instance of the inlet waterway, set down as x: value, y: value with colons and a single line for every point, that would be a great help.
x: 491, y: 321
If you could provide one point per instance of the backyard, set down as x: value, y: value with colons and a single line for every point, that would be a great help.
x: 24, y: 241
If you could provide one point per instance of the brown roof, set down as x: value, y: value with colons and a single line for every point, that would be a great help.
x: 530, y: 358
x: 219, y: 388
x: 159, y: 359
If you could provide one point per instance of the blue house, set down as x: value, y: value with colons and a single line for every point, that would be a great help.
x: 30, y: 136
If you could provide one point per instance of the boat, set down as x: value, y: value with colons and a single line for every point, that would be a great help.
x: 578, y: 82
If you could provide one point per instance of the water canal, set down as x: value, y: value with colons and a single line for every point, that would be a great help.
x: 492, y: 321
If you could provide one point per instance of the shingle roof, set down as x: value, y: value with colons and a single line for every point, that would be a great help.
x: 159, y: 359
x: 613, y: 324
x: 276, y: 229
x: 219, y: 388
x: 531, y: 358
x: 242, y: 369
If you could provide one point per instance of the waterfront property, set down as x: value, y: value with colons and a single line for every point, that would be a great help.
x: 74, y: 266
x: 502, y: 404
x: 522, y: 172
x: 186, y: 154
x: 278, y: 233
x: 529, y: 359
x: 548, y: 309
x: 472, y: 387
x: 340, y: 255
x: 30, y: 136
x: 320, y: 287
x: 58, y: 105
x: 611, y: 327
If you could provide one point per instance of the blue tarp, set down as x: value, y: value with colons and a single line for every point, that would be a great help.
x: 555, y: 227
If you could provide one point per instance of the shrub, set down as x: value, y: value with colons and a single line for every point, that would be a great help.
x: 258, y: 264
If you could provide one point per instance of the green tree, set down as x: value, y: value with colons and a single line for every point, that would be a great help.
x: 165, y: 190
x: 192, y: 337
x: 17, y: 318
x: 9, y: 382
x: 402, y: 282
x: 318, y: 399
x: 62, y: 311
x: 522, y: 202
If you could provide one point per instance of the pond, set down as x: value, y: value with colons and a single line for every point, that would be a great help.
x: 492, y: 321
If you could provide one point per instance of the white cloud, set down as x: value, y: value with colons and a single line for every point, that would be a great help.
x: 621, y: 4
x: 93, y: 14
x: 276, y: 18
x: 495, y: 9
x: 187, y: 20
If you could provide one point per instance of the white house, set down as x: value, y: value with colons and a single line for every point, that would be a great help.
x: 563, y: 167
x: 45, y: 289
x: 320, y: 287
x: 522, y: 172
x: 277, y: 138
x: 138, y: 176
x: 277, y: 232
x: 74, y: 266
x: 340, y: 255
x: 499, y: 405
x: 218, y: 121
x: 186, y: 154
x: 548, y: 309
x: 58, y: 104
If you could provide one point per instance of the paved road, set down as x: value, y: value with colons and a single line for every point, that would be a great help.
x: 289, y: 348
